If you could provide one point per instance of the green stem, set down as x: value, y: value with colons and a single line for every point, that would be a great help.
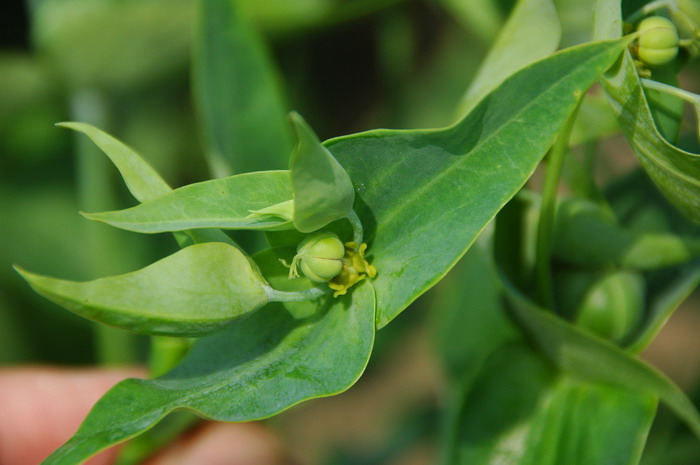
x: 114, y: 346
x: 650, y: 8
x: 682, y: 94
x: 545, y: 227
x: 275, y: 295
x: 357, y: 230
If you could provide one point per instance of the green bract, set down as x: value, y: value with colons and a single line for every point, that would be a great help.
x: 658, y: 41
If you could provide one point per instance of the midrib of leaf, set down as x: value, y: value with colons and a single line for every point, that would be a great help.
x: 482, y: 145
x: 209, y: 222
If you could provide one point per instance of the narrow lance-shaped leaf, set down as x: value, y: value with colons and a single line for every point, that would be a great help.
x: 226, y: 203
x: 190, y: 293
x: 323, y: 191
x: 425, y: 195
x: 143, y: 181
x: 255, y: 368
x: 236, y: 93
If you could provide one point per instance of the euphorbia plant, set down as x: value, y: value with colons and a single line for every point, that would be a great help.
x: 360, y: 226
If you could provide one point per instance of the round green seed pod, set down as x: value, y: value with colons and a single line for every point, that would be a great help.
x: 658, y: 41
x: 320, y: 256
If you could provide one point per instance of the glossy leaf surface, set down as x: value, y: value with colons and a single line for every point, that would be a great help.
x: 424, y: 196
x: 237, y: 93
x: 676, y: 172
x: 224, y: 203
x: 323, y: 191
x: 255, y: 368
x: 192, y: 292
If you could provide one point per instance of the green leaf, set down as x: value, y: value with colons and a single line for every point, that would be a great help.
x: 237, y: 94
x: 531, y: 32
x: 593, y: 359
x: 467, y: 334
x: 675, y: 171
x: 537, y: 416
x: 423, y: 196
x: 664, y: 303
x: 143, y: 181
x: 514, y: 407
x: 192, y: 292
x: 323, y: 191
x: 226, y: 203
x: 255, y: 368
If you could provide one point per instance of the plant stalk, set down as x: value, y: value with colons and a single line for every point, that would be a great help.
x: 95, y: 193
x: 545, y: 227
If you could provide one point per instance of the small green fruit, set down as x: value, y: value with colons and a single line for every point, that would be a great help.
x: 319, y: 256
x: 658, y: 41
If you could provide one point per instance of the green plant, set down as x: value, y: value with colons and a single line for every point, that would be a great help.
x: 542, y: 321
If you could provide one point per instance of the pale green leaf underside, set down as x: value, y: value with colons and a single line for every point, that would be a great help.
x: 143, y: 181
x: 323, y: 191
x: 224, y: 203
x: 255, y: 368
x: 588, y: 357
x: 537, y: 416
x: 531, y: 32
x: 190, y: 293
x: 424, y: 196
x: 237, y: 95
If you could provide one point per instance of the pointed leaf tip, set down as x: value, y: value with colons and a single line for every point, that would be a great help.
x: 323, y: 191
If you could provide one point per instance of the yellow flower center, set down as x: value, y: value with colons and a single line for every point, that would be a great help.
x: 355, y: 268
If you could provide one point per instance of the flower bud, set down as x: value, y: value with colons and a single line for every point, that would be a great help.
x: 319, y: 256
x: 658, y: 41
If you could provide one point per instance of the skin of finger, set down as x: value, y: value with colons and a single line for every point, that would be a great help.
x: 225, y: 444
x: 41, y: 407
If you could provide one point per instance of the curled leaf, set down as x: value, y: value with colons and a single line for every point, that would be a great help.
x: 190, y: 293
x: 323, y: 191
